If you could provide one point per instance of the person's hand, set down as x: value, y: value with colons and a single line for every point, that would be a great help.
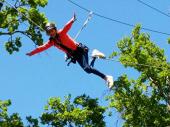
x: 74, y: 17
x: 67, y: 57
x: 28, y: 54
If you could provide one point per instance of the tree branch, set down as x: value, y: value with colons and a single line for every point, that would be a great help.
x: 158, y: 85
x: 15, y: 32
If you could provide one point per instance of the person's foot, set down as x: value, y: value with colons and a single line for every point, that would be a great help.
x: 109, y: 81
x: 97, y: 54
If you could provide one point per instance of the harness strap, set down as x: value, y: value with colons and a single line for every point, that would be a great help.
x: 70, y: 53
x: 58, y: 42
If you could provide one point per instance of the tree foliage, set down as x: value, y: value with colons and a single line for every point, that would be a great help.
x: 82, y: 112
x: 21, y: 17
x: 7, y: 120
x: 146, y: 100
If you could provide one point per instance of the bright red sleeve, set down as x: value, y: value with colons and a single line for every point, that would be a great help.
x: 41, y: 48
x: 68, y: 26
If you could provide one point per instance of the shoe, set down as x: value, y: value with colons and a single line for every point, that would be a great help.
x: 109, y: 81
x: 97, y: 54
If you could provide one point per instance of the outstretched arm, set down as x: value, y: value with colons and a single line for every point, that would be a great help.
x: 69, y: 24
x: 40, y: 49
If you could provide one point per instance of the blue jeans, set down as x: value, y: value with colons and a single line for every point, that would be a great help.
x: 83, y: 61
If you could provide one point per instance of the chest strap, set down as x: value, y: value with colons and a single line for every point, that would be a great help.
x: 70, y: 53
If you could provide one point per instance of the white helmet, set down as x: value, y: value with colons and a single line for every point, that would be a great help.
x: 50, y: 26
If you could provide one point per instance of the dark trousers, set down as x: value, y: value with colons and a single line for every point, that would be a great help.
x: 84, y: 63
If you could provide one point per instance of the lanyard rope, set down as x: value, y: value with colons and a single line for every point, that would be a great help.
x: 84, y: 25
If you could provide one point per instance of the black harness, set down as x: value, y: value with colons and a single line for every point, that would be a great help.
x: 72, y: 55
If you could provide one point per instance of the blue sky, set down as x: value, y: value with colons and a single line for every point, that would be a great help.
x: 30, y: 81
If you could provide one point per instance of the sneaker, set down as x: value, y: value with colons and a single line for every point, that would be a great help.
x: 109, y: 81
x: 97, y: 54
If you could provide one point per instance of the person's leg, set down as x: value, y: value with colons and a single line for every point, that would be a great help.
x: 83, y: 62
x: 92, y: 62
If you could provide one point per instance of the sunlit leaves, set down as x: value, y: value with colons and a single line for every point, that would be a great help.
x: 13, y: 45
x: 24, y: 12
x: 144, y: 101
x: 83, y: 111
x: 7, y: 120
x: 37, y: 18
x: 35, y: 3
x: 32, y: 122
x: 168, y: 40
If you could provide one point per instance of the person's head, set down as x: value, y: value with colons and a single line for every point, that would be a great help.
x: 51, y: 29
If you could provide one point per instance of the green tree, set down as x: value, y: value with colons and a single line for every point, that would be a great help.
x: 14, y: 120
x: 18, y: 13
x: 82, y: 112
x: 7, y: 120
x: 144, y: 101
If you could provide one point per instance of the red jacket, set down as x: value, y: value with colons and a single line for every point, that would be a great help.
x: 65, y: 39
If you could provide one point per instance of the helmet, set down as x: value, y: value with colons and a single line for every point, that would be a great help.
x: 50, y: 26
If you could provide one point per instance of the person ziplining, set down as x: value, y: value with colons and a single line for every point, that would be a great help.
x: 75, y: 51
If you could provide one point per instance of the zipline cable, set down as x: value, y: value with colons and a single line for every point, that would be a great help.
x: 118, y: 21
x: 161, y: 12
x: 110, y: 59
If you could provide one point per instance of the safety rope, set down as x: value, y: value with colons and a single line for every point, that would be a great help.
x: 132, y: 63
x: 84, y: 25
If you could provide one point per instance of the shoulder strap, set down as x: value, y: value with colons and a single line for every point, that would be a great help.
x: 70, y: 52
